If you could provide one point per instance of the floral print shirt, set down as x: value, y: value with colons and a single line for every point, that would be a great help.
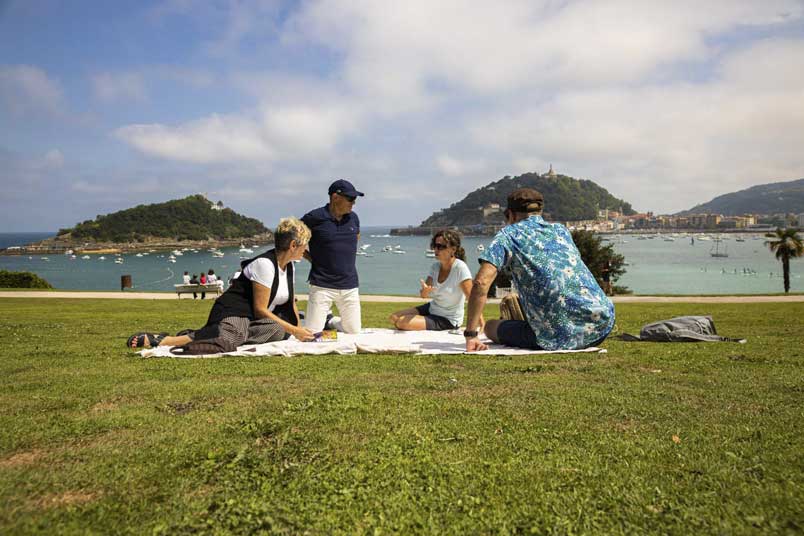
x: 561, y: 300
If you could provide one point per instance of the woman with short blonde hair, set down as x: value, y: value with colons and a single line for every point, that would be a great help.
x: 258, y: 306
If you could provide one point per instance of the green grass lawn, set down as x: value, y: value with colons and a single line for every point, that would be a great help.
x: 647, y: 438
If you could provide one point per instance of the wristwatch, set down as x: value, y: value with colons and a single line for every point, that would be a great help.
x: 470, y: 333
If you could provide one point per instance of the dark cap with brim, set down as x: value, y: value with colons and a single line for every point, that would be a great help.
x: 525, y: 200
x: 344, y: 187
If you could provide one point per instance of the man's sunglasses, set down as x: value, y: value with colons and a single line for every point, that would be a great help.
x: 349, y: 198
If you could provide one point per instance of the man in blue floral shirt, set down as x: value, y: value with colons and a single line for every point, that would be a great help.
x: 564, y: 307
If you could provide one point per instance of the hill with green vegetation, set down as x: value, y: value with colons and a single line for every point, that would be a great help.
x: 565, y: 199
x: 191, y: 218
x: 773, y: 198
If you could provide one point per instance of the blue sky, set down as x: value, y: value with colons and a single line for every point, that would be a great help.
x: 105, y: 105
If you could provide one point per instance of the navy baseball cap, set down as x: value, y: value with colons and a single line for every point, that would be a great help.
x: 343, y: 187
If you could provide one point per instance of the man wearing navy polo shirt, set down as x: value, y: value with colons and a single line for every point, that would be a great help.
x: 333, y: 251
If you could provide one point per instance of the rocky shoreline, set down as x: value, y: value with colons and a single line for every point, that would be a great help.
x: 56, y: 246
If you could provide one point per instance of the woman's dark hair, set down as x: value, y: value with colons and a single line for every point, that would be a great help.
x: 211, y: 272
x: 453, y: 239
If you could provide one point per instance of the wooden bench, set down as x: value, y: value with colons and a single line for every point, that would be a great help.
x: 210, y: 288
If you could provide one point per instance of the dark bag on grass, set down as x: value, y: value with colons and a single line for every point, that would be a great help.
x: 204, y: 347
x: 681, y: 329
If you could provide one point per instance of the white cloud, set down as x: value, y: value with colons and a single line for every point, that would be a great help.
x: 276, y: 133
x: 688, y: 141
x: 26, y: 89
x: 399, y: 50
x: 621, y: 92
x: 121, y: 86
x: 214, y: 139
x: 453, y: 167
x: 54, y: 159
x: 294, y: 119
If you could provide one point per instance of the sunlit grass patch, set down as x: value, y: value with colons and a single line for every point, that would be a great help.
x: 646, y: 438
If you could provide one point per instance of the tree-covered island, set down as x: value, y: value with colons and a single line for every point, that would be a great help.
x: 194, y: 221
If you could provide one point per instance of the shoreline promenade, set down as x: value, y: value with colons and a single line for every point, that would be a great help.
x: 116, y: 295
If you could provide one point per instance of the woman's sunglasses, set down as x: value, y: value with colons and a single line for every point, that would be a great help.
x: 438, y: 245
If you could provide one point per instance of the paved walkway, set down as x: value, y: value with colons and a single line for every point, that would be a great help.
x: 402, y: 299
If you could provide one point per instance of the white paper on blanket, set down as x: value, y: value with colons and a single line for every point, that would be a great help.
x: 372, y: 341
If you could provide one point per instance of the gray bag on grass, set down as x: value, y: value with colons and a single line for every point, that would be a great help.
x: 681, y: 329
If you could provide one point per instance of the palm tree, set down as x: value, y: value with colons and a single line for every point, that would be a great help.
x: 786, y: 244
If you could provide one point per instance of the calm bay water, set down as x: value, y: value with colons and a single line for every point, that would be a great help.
x: 655, y: 266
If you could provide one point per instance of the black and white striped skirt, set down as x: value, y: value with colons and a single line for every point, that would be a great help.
x: 238, y: 330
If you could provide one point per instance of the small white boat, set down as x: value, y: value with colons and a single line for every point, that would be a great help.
x: 101, y: 258
x: 85, y: 257
x: 398, y: 252
x: 217, y: 254
x: 69, y: 252
x: 172, y: 260
x: 481, y: 247
x: 138, y: 255
x: 177, y: 253
x: 364, y: 247
x: 246, y: 250
x: 118, y: 260
x: 387, y: 248
x: 44, y: 258
x: 72, y: 257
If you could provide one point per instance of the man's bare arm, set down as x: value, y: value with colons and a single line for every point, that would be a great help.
x: 477, y: 299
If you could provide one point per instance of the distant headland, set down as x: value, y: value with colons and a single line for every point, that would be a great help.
x: 194, y: 222
x: 481, y: 211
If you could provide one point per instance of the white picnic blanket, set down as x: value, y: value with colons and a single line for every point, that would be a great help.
x: 372, y: 341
